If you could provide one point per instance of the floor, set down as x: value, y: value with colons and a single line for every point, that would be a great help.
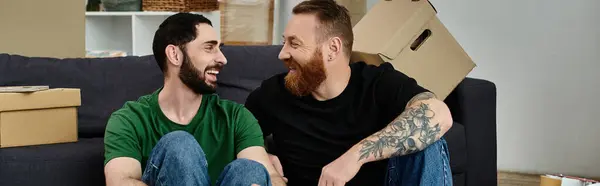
x: 518, y: 179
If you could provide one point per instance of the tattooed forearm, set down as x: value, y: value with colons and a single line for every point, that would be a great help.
x: 412, y: 131
x: 421, y: 97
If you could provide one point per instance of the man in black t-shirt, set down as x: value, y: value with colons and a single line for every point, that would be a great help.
x: 336, y: 123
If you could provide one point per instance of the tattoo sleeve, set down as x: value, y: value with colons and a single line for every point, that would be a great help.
x: 412, y: 131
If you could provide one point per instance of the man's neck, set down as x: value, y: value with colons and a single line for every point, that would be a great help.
x: 179, y: 103
x: 336, y: 82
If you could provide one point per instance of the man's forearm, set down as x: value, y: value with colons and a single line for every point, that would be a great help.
x: 128, y: 182
x: 420, y: 125
x: 134, y: 182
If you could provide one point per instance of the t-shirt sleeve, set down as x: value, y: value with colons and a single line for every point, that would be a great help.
x: 120, y: 140
x: 255, y: 107
x: 394, y: 89
x: 247, y: 131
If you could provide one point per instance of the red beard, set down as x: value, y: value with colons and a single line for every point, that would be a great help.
x: 306, y: 78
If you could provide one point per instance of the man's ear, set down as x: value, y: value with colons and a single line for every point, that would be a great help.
x: 174, y: 55
x: 335, y: 48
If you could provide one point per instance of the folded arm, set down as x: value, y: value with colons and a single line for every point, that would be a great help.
x: 424, y: 121
x: 123, y: 171
x: 260, y: 155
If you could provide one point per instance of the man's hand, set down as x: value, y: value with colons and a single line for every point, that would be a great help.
x: 340, y: 171
x: 277, y: 165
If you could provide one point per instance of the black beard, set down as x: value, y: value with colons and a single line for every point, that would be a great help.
x: 190, y: 76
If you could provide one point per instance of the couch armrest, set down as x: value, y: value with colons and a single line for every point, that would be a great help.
x: 473, y: 104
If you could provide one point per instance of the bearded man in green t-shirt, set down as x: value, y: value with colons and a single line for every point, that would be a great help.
x: 183, y: 134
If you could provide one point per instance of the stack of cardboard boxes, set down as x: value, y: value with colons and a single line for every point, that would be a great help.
x: 38, y: 117
x: 408, y: 34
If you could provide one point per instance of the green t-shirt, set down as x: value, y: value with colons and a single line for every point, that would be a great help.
x: 222, y: 128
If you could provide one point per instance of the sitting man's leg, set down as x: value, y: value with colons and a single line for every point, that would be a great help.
x: 428, y: 167
x: 244, y: 172
x: 177, y: 159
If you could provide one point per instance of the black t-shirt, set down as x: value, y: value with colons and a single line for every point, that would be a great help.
x: 310, y: 134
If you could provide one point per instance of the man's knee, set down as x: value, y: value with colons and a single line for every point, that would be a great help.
x: 179, y: 155
x: 181, y: 143
x: 437, y: 148
x: 244, y: 172
x: 177, y: 137
x: 243, y: 165
x: 435, y: 155
x: 430, y: 166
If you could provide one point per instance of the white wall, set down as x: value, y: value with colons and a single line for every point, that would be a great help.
x: 544, y: 56
x: 285, y: 12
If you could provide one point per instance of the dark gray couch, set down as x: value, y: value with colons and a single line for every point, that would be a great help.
x: 107, y: 83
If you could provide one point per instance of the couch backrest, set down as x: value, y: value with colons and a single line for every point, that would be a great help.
x: 247, y: 67
x: 107, y: 83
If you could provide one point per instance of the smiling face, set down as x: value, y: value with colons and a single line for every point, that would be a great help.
x: 317, y: 44
x: 303, y: 55
x: 187, y: 50
x: 202, y: 61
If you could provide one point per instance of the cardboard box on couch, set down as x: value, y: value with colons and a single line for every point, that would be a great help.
x: 407, y: 34
x: 41, y: 117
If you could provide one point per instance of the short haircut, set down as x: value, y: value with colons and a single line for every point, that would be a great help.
x: 178, y: 30
x: 334, y: 20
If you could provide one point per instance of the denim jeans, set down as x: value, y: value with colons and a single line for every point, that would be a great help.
x: 178, y: 159
x: 428, y: 167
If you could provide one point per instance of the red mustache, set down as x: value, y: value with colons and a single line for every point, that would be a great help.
x: 291, y: 63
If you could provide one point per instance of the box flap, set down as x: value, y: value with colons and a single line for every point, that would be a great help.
x: 52, y: 98
x: 439, y: 64
x: 409, y: 33
x: 390, y: 25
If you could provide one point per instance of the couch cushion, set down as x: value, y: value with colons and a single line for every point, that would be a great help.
x: 105, y: 83
x: 79, y: 163
x: 457, y: 147
x: 247, y: 67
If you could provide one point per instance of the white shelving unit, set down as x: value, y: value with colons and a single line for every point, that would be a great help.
x: 131, y: 32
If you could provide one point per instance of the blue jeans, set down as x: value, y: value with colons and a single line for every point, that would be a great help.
x: 428, y: 167
x: 178, y: 159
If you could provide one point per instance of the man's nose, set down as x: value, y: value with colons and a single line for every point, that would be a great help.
x: 221, y: 58
x: 283, y: 55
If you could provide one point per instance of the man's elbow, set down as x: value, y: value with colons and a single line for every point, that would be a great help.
x: 445, y: 119
x: 447, y: 123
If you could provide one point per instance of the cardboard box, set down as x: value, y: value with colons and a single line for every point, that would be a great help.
x: 408, y: 34
x: 246, y: 22
x: 356, y: 8
x: 63, y: 24
x: 42, y: 117
x: 561, y: 180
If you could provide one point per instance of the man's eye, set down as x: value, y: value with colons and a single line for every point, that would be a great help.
x: 210, y: 48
